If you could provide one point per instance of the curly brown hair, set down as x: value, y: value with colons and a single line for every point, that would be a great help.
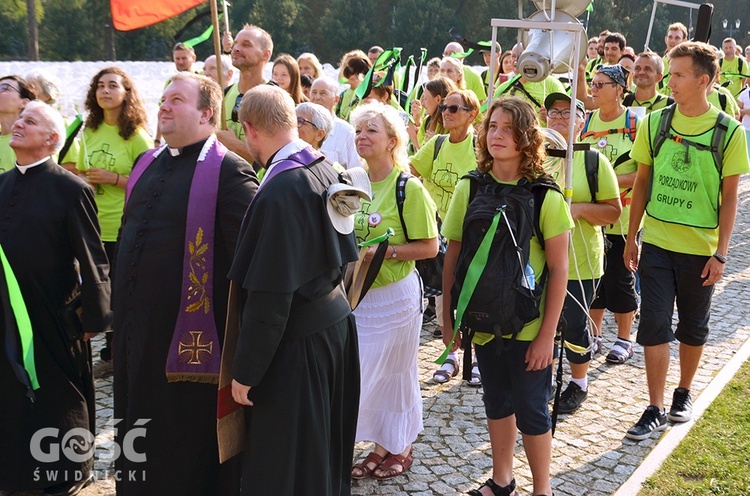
x: 132, y: 113
x: 526, y: 133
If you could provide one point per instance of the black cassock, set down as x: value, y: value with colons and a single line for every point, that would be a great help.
x: 297, y: 346
x: 48, y: 219
x: 180, y: 441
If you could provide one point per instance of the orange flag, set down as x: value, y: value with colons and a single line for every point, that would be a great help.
x: 134, y: 14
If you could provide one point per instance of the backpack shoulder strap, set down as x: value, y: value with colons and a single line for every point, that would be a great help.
x: 629, y: 99
x: 722, y: 101
x: 403, y: 178
x: 717, y: 139
x: 632, y: 122
x: 664, y: 125
x: 591, y: 160
x: 586, y: 124
x: 438, y: 145
x: 539, y: 189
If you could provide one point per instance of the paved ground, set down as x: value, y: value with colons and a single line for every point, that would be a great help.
x: 590, y: 454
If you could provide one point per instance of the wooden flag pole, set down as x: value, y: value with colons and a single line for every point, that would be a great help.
x: 217, y: 50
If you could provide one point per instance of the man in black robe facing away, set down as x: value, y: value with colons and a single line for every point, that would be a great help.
x: 296, y: 364
x: 48, y: 221
x: 166, y: 274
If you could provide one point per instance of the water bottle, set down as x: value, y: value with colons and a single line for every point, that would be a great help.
x: 528, y: 280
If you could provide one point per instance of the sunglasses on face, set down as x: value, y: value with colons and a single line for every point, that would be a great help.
x: 452, y: 108
x: 236, y: 108
x: 7, y: 87
x: 600, y: 84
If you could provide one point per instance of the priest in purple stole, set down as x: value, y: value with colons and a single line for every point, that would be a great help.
x: 296, y: 366
x: 184, y: 207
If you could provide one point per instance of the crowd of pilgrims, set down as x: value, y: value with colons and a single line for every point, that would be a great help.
x: 437, y: 132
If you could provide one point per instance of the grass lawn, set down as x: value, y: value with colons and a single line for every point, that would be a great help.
x: 714, y: 458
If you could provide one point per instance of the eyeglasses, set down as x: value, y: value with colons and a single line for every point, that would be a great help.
x: 7, y: 86
x: 452, y: 108
x: 236, y: 108
x: 599, y: 84
x: 554, y: 114
x: 301, y: 122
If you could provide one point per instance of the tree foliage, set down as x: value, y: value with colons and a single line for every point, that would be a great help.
x: 75, y: 29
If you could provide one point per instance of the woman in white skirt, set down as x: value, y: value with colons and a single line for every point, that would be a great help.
x: 389, y: 318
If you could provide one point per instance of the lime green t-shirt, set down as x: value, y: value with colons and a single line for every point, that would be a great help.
x: 586, y: 255
x: 554, y: 219
x: 376, y: 216
x: 454, y: 160
x: 104, y: 148
x: 732, y: 107
x: 730, y: 75
x: 474, y: 83
x: 230, y: 102
x: 347, y: 104
x: 676, y: 237
x: 616, y: 146
x: 7, y: 155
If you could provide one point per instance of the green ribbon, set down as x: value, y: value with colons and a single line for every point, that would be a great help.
x: 73, y: 126
x: 473, y: 273
x: 386, y: 59
x: 376, y: 241
x: 21, y: 313
x: 461, y: 55
x: 590, y: 8
x: 202, y: 37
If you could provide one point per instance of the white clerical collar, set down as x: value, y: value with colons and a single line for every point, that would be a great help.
x: 290, y: 148
x: 23, y: 168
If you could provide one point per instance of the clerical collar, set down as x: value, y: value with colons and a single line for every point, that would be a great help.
x: 23, y: 168
x: 191, y: 148
x: 283, y: 152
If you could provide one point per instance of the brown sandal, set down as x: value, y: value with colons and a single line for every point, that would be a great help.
x: 364, y: 466
x: 390, y: 462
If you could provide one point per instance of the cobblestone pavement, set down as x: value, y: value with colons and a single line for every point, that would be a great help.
x: 590, y: 453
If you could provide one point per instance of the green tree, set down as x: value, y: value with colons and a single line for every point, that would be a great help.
x: 281, y: 18
x: 347, y: 25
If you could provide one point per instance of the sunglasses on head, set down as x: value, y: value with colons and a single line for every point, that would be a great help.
x: 452, y: 108
x: 236, y: 108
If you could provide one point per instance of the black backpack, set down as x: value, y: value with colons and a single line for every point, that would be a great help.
x: 502, y: 302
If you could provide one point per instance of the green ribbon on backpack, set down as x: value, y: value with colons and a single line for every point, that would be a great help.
x: 376, y: 241
x: 473, y: 273
x: 21, y: 314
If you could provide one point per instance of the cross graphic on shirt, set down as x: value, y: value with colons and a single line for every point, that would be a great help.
x: 195, y: 347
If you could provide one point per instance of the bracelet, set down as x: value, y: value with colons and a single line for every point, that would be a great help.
x: 116, y: 180
x: 393, y: 255
x: 721, y: 258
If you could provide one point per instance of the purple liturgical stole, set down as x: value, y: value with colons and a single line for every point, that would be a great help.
x: 195, y: 351
x: 306, y: 156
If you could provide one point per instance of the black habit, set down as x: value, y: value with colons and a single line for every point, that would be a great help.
x: 180, y: 442
x: 47, y: 221
x: 297, y: 346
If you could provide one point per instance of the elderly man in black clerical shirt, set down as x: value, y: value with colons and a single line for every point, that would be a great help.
x: 48, y: 223
x: 183, y: 210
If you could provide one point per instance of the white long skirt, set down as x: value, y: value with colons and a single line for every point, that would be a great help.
x: 388, y: 323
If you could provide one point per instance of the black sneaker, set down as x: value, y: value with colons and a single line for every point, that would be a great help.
x: 572, y: 398
x: 682, y: 406
x: 652, y: 420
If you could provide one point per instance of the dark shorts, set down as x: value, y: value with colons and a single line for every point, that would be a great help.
x: 510, y: 390
x: 667, y: 276
x: 576, y: 319
x: 616, y: 291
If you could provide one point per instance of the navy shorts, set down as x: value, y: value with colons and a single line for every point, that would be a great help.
x: 576, y: 319
x: 510, y: 390
x: 616, y: 290
x: 667, y: 276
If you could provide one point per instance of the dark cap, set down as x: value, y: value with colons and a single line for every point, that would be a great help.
x: 556, y: 97
x: 616, y: 72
